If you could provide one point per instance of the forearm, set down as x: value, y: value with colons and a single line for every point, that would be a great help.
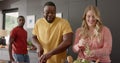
x: 67, y: 41
x: 11, y: 40
x: 62, y: 47
x: 36, y: 43
x: 10, y: 52
x: 75, y: 48
x: 101, y: 52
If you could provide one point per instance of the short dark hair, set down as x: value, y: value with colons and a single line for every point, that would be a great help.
x: 21, y: 17
x: 50, y: 3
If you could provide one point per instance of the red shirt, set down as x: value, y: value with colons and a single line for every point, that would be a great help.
x: 19, y: 45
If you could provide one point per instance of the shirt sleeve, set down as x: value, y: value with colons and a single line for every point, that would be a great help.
x: 107, y: 46
x: 66, y: 27
x: 34, y: 31
x: 13, y: 33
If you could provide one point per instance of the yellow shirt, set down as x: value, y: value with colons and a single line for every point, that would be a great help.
x: 50, y: 35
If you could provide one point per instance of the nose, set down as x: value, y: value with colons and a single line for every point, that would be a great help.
x: 91, y: 18
x: 50, y: 14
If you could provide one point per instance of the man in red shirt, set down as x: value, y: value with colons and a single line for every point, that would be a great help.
x: 18, y: 43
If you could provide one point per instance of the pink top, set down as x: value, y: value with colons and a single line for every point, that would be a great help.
x: 98, y: 50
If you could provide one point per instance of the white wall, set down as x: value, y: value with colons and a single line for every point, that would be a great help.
x: 1, y: 19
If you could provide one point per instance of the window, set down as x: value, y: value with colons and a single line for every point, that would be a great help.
x: 9, y: 20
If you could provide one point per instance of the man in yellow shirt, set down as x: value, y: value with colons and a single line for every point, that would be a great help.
x: 52, y: 36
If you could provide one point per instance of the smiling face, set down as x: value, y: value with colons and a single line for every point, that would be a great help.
x: 49, y: 13
x: 90, y: 18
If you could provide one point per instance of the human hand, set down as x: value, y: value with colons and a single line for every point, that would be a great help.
x: 82, y: 48
x: 81, y: 42
x: 11, y: 60
x: 44, y: 58
x: 81, y: 45
x: 40, y: 51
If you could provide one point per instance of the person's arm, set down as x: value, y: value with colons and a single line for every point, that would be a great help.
x: 11, y: 40
x: 75, y: 47
x: 67, y: 41
x: 37, y: 44
x: 107, y: 47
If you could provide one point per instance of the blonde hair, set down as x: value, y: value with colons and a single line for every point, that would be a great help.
x: 98, y: 26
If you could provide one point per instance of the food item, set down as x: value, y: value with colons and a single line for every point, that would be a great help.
x: 87, y: 50
x: 81, y: 61
x: 69, y: 59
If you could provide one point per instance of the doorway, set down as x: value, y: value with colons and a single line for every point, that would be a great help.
x: 9, y: 21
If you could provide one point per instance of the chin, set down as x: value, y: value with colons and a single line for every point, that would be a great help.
x: 50, y: 21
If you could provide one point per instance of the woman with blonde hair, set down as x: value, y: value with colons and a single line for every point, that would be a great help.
x: 93, y: 40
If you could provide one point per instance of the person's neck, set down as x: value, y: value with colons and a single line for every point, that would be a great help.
x: 91, y: 28
x: 20, y: 26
